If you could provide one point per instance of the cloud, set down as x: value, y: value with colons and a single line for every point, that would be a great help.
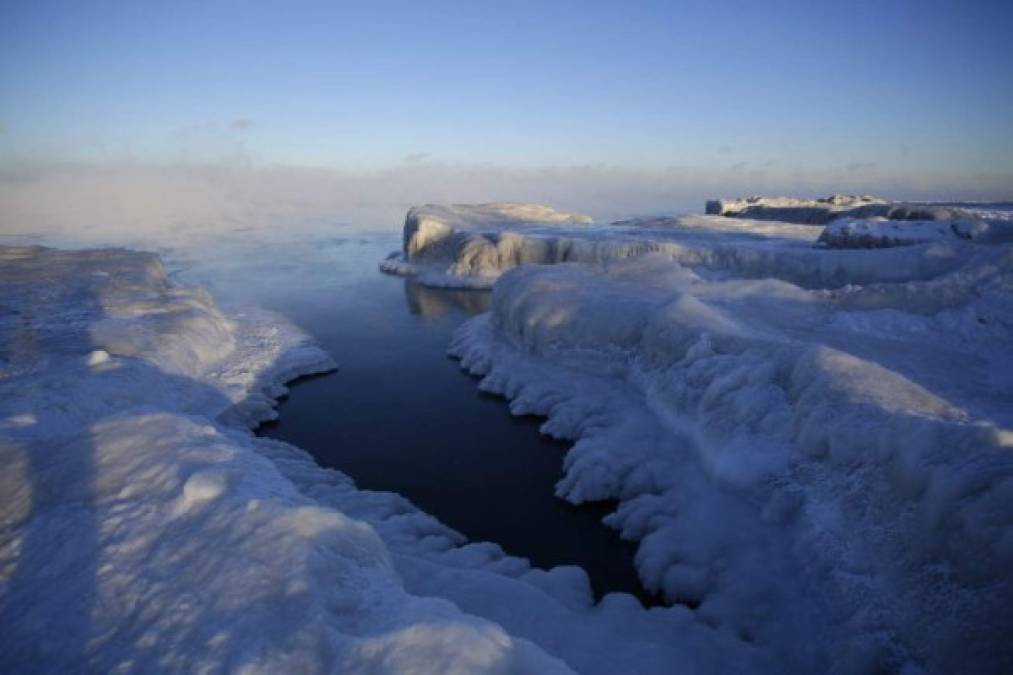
x: 415, y: 157
x: 241, y: 123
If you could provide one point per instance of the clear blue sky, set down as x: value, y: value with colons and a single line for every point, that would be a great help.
x: 909, y: 86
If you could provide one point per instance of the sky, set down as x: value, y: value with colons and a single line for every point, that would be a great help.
x: 891, y: 90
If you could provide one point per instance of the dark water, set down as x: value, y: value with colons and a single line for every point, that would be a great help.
x: 401, y: 416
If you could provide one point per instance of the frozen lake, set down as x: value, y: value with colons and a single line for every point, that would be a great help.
x: 400, y: 415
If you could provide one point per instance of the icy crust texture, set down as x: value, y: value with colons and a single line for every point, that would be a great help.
x: 823, y: 211
x: 452, y: 252
x: 472, y: 242
x: 882, y: 233
x: 141, y: 527
x: 827, y: 471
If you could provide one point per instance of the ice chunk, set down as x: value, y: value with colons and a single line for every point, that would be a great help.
x: 881, y: 233
x: 97, y: 357
x: 822, y: 211
x: 428, y: 225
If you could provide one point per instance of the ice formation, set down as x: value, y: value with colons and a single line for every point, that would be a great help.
x: 451, y: 252
x: 812, y: 443
x: 471, y: 241
x: 850, y: 232
x: 144, y: 529
x: 823, y: 211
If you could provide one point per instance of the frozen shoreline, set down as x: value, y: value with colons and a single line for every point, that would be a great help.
x: 142, y: 526
x: 808, y: 442
x: 192, y: 551
x: 819, y: 430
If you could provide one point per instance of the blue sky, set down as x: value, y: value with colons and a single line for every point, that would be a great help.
x: 898, y: 87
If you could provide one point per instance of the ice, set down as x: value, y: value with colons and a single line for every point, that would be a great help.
x: 141, y: 527
x: 822, y: 211
x: 428, y: 225
x: 811, y: 444
x: 477, y: 240
x: 879, y: 232
x: 475, y: 255
x: 737, y: 206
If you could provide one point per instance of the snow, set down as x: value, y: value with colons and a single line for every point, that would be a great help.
x: 822, y: 211
x: 477, y: 240
x: 476, y: 256
x: 814, y: 445
x: 810, y: 444
x: 725, y: 207
x: 141, y: 527
x: 427, y: 225
x: 879, y: 232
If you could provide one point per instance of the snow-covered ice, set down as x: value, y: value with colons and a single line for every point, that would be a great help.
x: 850, y: 232
x: 740, y: 205
x: 471, y: 241
x: 822, y: 211
x: 142, y: 529
x: 456, y: 253
x: 812, y: 443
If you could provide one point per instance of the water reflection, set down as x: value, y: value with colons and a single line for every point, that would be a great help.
x: 438, y: 302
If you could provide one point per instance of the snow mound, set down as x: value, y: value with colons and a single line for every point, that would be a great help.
x: 882, y: 233
x: 141, y: 527
x: 826, y: 471
x: 822, y: 211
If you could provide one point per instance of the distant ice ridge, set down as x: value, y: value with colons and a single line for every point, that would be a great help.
x: 850, y: 232
x: 823, y: 211
x: 810, y: 440
x: 442, y: 247
x: 144, y: 529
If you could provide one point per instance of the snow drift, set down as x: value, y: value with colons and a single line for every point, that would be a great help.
x: 812, y: 444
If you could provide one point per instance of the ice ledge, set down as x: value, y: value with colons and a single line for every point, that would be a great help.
x: 428, y: 224
x: 882, y: 233
x: 822, y: 211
